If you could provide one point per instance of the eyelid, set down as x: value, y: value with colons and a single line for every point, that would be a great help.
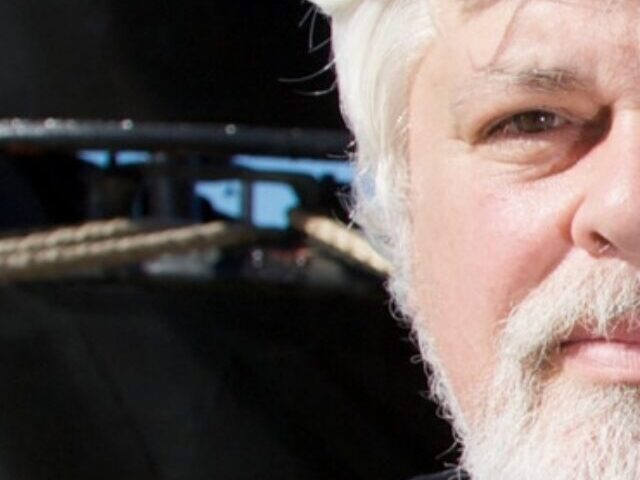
x: 486, y: 135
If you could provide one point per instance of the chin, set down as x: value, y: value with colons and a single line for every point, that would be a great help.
x: 564, y: 428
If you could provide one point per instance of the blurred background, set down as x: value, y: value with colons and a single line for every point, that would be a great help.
x: 181, y: 296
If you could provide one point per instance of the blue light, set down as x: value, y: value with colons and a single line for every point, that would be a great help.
x: 225, y: 196
x: 342, y: 172
x: 133, y: 157
x: 99, y: 158
x: 271, y: 205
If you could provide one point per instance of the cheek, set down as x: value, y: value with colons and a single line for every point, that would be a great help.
x: 479, y: 246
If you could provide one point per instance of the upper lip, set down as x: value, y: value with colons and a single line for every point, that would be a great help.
x: 627, y: 330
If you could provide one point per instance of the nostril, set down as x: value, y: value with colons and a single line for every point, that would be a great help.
x: 600, y: 245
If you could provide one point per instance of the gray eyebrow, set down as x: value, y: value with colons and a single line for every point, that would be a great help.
x: 500, y: 80
x: 553, y: 79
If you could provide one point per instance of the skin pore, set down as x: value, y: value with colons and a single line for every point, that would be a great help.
x: 523, y: 151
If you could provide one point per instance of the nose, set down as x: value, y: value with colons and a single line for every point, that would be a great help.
x: 607, y: 220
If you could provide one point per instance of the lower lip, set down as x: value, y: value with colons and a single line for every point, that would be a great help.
x: 603, y: 361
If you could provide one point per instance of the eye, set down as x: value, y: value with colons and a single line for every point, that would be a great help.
x: 527, y: 123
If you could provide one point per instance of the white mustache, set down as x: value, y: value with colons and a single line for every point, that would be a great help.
x: 582, y: 291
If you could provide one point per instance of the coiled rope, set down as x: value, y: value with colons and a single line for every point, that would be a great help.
x: 68, y: 235
x: 119, y: 242
x: 341, y: 239
x: 52, y: 260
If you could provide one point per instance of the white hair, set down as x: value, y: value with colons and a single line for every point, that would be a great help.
x: 528, y: 423
x: 377, y: 47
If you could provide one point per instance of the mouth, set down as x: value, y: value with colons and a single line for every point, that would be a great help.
x: 614, y: 358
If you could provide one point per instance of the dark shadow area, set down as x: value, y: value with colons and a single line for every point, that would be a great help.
x: 199, y: 61
x: 197, y: 381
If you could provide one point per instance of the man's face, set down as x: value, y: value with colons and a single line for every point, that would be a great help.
x: 524, y: 151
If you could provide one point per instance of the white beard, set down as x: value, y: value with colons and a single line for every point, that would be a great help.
x: 530, y: 421
x: 567, y: 431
